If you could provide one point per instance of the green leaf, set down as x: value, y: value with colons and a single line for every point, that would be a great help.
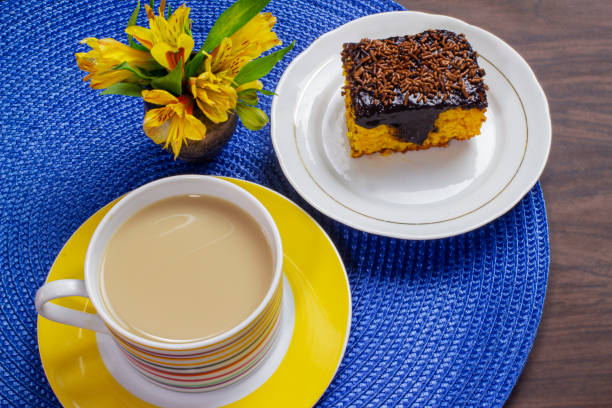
x: 249, y: 96
x: 132, y: 21
x: 152, y: 4
x: 231, y: 20
x: 156, y: 72
x: 168, y: 11
x: 193, y: 65
x: 173, y: 82
x: 135, y: 71
x: 252, y: 118
x: 261, y: 66
x: 266, y: 92
x: 123, y: 88
x: 139, y: 47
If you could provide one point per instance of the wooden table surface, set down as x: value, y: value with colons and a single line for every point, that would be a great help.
x: 568, y: 44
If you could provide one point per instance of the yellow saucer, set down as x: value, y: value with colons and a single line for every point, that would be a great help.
x: 79, y: 378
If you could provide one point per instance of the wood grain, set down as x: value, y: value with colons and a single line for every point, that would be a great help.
x: 568, y: 44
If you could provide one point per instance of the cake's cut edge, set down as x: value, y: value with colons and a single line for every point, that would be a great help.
x: 456, y: 123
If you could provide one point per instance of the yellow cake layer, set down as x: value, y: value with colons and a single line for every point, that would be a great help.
x: 456, y: 123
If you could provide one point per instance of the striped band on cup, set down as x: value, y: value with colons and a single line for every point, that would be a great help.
x: 212, y: 366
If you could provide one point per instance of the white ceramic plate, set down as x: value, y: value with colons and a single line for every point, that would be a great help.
x: 427, y: 194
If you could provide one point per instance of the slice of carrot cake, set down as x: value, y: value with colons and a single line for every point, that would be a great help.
x: 412, y: 92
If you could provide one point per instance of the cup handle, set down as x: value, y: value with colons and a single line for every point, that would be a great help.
x: 63, y: 288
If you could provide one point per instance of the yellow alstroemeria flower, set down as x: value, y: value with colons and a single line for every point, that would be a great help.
x: 106, y: 54
x: 213, y: 88
x: 174, y: 122
x: 166, y: 39
x: 246, y: 44
x: 214, y: 95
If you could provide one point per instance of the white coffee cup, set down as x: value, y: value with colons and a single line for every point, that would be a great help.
x: 187, y: 366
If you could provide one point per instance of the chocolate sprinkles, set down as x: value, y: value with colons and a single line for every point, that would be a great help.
x: 433, y: 68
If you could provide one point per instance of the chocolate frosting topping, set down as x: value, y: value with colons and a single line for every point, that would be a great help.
x: 406, y: 82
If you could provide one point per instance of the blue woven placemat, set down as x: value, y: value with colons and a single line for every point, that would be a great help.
x: 439, y: 323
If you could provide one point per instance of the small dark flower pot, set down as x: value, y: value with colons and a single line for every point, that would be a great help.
x: 217, y: 135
